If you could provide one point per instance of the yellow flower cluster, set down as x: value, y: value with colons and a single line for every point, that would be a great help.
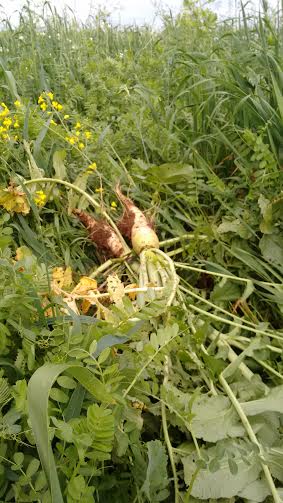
x: 8, y: 122
x: 40, y: 198
x: 91, y: 168
x: 79, y: 136
x: 46, y: 99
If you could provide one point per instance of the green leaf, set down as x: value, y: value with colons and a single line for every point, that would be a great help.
x: 171, y: 172
x: 222, y: 483
x: 272, y: 402
x: 274, y: 459
x: 11, y: 84
x: 100, y: 422
x: 256, y: 491
x: 271, y: 247
x: 32, y: 467
x: 58, y: 395
x: 215, y: 419
x: 58, y: 164
x: 39, y: 388
x: 226, y: 292
x: 156, y: 482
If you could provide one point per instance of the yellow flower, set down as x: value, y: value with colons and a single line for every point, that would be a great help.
x: 78, y: 125
x: 5, y: 110
x: 66, y: 117
x: 59, y: 107
x: 5, y: 136
x: 81, y: 146
x: 40, y: 198
x: 40, y: 99
x: 16, y: 124
x: 72, y: 140
x: 54, y: 104
x: 43, y: 106
x: 88, y: 135
x: 17, y: 104
x: 113, y: 205
x: 7, y: 122
x: 50, y: 95
x: 92, y: 167
x: 53, y: 123
x: 2, y: 130
x: 77, y: 133
x: 16, y: 137
x: 100, y: 190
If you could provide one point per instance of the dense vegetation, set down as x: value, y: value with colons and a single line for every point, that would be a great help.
x: 104, y: 397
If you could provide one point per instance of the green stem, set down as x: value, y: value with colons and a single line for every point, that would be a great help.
x: 218, y: 308
x: 191, y: 235
x: 251, y: 435
x: 233, y: 323
x: 173, y: 275
x: 166, y: 434
x: 222, y: 275
x: 88, y: 197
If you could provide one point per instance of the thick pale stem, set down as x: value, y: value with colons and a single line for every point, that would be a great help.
x: 251, y: 435
x: 166, y: 434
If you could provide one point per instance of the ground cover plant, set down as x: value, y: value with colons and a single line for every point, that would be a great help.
x: 141, y: 293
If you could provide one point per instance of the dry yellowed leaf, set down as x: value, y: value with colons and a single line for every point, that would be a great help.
x: 14, y: 200
x: 61, y: 278
x: 85, y: 286
x: 131, y: 295
x: 115, y: 289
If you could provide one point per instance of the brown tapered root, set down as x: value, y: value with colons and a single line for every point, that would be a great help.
x: 100, y: 232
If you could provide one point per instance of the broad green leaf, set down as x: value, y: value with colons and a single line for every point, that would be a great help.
x: 171, y: 172
x: 274, y: 459
x: 271, y: 246
x: 222, y: 483
x: 215, y: 419
x: 272, y: 402
x: 58, y: 164
x: 256, y: 491
x: 156, y: 482
x: 228, y: 291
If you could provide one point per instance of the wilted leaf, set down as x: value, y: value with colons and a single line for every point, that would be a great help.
x: 61, y: 278
x: 14, y: 200
x: 115, y: 289
x: 85, y: 286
